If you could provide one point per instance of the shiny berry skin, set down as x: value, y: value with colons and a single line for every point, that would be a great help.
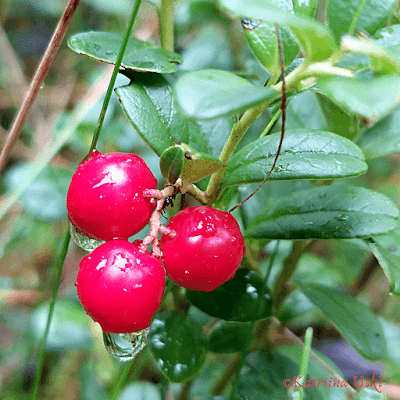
x: 206, y: 251
x: 120, y: 287
x: 105, y: 198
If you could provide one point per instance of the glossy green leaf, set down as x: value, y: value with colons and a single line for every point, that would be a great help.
x: 353, y: 319
x: 316, y: 39
x: 68, y: 328
x: 267, y: 373
x: 368, y: 94
x: 139, y: 55
x: 213, y: 93
x: 390, y: 265
x: 237, y: 299
x: 382, y: 138
x: 230, y: 337
x: 381, y: 59
x: 340, y: 14
x: 337, y: 120
x: 262, y: 39
x: 305, y: 154
x: 152, y: 110
x: 305, y: 7
x: 304, y: 111
x: 386, y: 249
x: 183, y: 162
x: 179, y: 346
x: 336, y: 211
x: 389, y: 39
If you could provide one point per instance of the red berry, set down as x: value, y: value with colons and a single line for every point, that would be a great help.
x: 120, y: 287
x: 105, y: 198
x: 206, y: 251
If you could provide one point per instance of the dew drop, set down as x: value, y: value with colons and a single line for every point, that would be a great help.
x: 75, y: 42
x: 82, y: 240
x: 111, y: 53
x: 126, y: 346
x: 250, y: 23
x: 96, y: 47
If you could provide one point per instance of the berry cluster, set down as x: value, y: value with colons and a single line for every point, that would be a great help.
x: 120, y: 284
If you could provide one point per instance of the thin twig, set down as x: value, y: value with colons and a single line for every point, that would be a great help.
x: 283, y: 108
x: 38, y: 79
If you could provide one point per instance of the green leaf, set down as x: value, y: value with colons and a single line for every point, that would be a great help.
x: 68, y: 329
x: 340, y: 14
x: 386, y: 249
x: 382, y: 138
x: 381, y: 59
x: 335, y: 391
x: 353, y: 319
x: 212, y: 42
x: 265, y: 375
x: 338, y: 121
x: 139, y: 55
x: 179, y: 346
x: 390, y: 265
x: 305, y: 154
x: 237, y: 299
x: 262, y: 39
x: 368, y: 94
x: 305, y: 7
x: 336, y: 211
x: 370, y: 394
x: 183, y: 162
x: 316, y: 40
x: 148, y: 103
x: 389, y: 39
x: 230, y: 337
x: 49, y: 188
x: 213, y: 93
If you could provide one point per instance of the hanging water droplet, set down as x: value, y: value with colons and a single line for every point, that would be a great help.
x: 83, y: 241
x: 250, y: 23
x: 126, y: 346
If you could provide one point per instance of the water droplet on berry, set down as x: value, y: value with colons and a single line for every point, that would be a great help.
x: 82, y: 240
x: 126, y: 346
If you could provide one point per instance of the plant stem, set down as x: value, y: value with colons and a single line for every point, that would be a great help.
x: 166, y: 18
x: 38, y: 79
x: 239, y: 129
x: 231, y: 370
x: 280, y: 290
x: 271, y: 123
x: 356, y: 17
x: 305, y: 357
x: 42, y: 347
x: 237, y: 133
x: 122, y: 49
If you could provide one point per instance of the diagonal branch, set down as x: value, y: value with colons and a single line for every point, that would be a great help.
x: 38, y: 79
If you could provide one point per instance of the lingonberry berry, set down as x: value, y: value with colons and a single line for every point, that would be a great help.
x: 206, y: 251
x: 105, y: 198
x: 120, y: 287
